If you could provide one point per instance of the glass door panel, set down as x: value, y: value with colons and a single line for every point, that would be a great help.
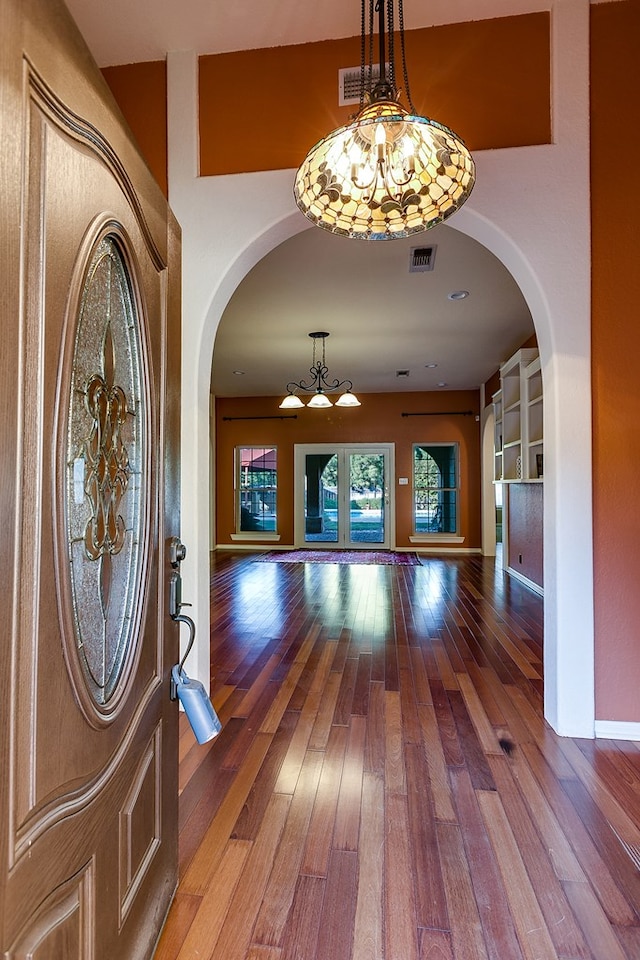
x: 321, y: 498
x: 367, y: 498
x: 343, y: 495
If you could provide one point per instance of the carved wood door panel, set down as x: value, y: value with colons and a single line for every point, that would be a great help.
x: 89, y: 408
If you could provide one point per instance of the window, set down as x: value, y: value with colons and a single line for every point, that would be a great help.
x: 256, y: 489
x: 435, y: 487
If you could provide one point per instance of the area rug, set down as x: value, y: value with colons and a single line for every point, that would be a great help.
x: 388, y: 557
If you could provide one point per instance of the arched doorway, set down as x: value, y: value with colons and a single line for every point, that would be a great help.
x: 507, y: 215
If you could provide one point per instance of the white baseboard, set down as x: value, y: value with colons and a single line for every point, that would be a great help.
x: 422, y: 551
x: 528, y: 583
x: 309, y: 546
x: 617, y: 730
x: 255, y: 545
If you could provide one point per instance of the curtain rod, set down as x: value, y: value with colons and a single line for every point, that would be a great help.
x: 442, y: 413
x: 288, y: 416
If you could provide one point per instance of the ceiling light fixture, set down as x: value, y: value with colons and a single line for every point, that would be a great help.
x: 389, y: 173
x: 319, y: 385
x: 458, y: 295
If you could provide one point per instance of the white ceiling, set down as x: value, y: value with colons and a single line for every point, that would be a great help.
x: 122, y: 31
x: 381, y: 318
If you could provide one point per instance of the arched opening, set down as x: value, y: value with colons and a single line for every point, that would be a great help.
x: 506, y: 215
x: 556, y: 636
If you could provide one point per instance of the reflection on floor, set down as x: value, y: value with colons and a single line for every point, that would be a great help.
x: 385, y: 787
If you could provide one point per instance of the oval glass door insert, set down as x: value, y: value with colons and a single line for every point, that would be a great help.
x: 106, y: 473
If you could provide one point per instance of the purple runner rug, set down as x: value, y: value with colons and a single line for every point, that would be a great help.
x: 387, y: 557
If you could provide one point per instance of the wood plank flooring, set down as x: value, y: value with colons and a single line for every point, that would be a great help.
x: 385, y: 787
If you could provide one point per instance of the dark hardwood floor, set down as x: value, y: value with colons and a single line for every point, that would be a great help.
x: 385, y: 787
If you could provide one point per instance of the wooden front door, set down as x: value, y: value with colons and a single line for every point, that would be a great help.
x: 89, y: 413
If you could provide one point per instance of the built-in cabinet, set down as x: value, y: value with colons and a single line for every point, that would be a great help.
x: 519, y: 463
x: 518, y: 447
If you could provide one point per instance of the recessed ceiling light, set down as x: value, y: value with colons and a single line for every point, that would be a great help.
x: 430, y: 366
x: 442, y: 384
x: 239, y: 373
x: 458, y: 295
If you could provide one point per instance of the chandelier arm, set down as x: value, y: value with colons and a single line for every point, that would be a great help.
x: 389, y: 175
x: 366, y: 185
x: 336, y: 384
x: 318, y: 384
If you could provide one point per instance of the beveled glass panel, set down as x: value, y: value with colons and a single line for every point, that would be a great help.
x: 105, y: 471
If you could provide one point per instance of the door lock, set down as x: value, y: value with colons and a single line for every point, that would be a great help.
x: 177, y: 552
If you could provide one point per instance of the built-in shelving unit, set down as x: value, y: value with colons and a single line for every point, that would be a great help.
x: 497, y: 440
x: 533, y: 392
x: 518, y: 449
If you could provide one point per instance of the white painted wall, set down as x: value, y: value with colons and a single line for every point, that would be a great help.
x: 530, y: 207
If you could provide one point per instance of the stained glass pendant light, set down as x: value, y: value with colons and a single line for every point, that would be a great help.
x: 390, y: 173
x: 319, y: 384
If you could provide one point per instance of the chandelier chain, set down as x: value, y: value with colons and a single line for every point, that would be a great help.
x: 319, y: 370
x: 362, y: 51
x: 390, y: 44
x: 405, y: 73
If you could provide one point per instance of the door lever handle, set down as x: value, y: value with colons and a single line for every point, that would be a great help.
x: 181, y: 618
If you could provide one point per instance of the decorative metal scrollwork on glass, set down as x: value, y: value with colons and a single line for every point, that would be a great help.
x: 106, y: 480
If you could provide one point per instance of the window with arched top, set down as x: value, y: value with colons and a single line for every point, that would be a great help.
x: 435, y: 488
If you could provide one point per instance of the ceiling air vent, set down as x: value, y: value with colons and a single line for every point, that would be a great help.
x: 349, y: 83
x: 422, y: 259
x: 402, y: 373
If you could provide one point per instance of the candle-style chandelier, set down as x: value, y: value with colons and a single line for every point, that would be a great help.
x: 319, y: 385
x: 389, y: 173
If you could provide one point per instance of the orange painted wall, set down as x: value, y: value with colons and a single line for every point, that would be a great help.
x: 615, y: 144
x: 140, y: 90
x: 378, y: 420
x: 263, y: 109
x: 488, y: 80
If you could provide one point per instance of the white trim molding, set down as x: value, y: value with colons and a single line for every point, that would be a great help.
x: 617, y: 730
x: 258, y: 538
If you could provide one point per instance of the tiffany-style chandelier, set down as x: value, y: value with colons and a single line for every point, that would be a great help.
x: 390, y: 173
x: 319, y: 385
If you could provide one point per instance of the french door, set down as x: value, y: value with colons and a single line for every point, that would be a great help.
x: 343, y: 496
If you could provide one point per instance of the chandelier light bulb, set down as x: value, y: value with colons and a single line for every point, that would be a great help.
x: 291, y: 402
x: 348, y: 399
x: 320, y: 400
